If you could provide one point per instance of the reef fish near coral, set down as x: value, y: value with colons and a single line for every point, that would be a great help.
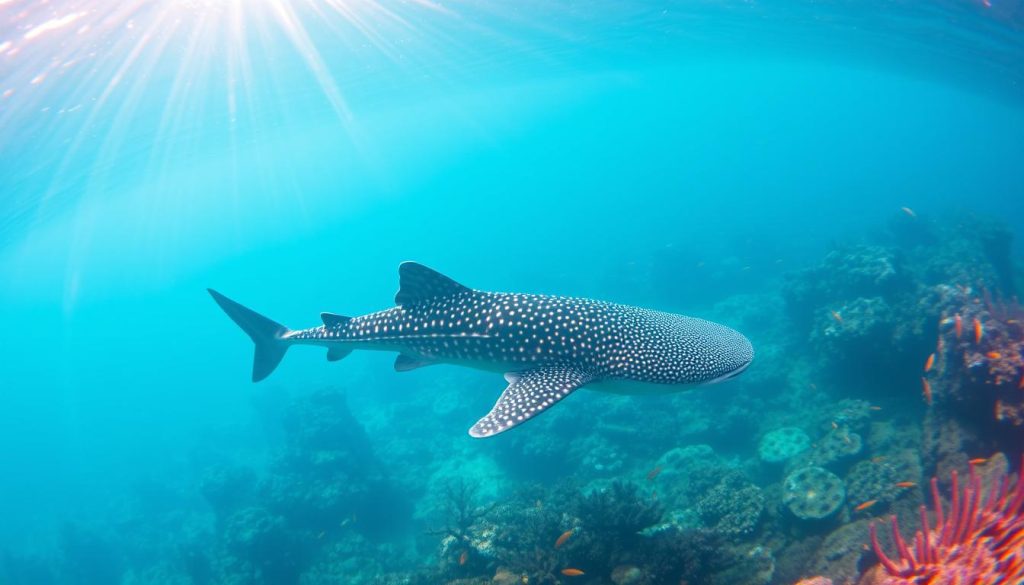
x: 547, y: 346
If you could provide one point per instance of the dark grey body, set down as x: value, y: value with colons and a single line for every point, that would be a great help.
x: 507, y: 331
x: 548, y: 345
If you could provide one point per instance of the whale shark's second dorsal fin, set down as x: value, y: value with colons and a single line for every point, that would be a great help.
x: 332, y: 320
x: 418, y: 283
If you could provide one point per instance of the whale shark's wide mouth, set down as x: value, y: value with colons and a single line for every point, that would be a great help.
x: 730, y: 375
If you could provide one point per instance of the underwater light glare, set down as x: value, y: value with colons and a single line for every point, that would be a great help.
x: 100, y: 99
x: 85, y: 68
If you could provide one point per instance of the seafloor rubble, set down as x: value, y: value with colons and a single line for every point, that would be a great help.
x: 894, y: 360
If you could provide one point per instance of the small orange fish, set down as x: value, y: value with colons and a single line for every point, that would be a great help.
x: 561, y: 539
x: 910, y: 212
x: 653, y: 473
x: 928, y: 363
x: 993, y: 355
x: 463, y: 557
x: 958, y: 325
x: 838, y: 318
x: 926, y: 389
x: 865, y: 505
x: 905, y: 484
x: 572, y: 572
x: 979, y: 330
x: 978, y: 461
x: 1020, y: 385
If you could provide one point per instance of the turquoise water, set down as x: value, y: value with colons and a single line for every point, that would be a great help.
x: 691, y: 157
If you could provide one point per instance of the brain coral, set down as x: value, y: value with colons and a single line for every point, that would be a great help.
x: 812, y: 493
x: 781, y: 444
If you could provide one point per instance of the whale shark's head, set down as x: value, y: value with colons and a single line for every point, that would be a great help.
x: 711, y: 353
x: 732, y: 354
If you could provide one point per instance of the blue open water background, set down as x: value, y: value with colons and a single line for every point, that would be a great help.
x: 291, y: 154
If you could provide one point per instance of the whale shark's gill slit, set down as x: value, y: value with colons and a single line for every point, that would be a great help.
x: 529, y: 394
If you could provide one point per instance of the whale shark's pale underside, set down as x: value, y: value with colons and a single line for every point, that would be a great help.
x: 547, y: 346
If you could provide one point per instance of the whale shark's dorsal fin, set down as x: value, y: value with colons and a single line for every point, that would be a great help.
x: 418, y: 283
x: 529, y: 394
x: 332, y: 320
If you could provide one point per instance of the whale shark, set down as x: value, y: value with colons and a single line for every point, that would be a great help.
x: 547, y: 346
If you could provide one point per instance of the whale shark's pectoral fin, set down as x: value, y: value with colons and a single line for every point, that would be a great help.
x: 529, y: 394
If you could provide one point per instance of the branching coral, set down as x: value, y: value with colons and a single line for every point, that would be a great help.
x: 976, y: 541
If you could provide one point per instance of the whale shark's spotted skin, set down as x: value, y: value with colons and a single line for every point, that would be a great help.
x: 549, y: 346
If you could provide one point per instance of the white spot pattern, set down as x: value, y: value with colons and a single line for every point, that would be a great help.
x: 560, y: 343
x: 529, y: 394
x: 613, y: 341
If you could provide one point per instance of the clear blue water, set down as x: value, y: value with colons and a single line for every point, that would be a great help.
x: 291, y: 154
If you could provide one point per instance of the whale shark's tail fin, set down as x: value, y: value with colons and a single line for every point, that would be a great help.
x: 266, y: 334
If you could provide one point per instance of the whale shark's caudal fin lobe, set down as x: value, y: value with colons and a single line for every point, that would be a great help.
x: 266, y: 334
x: 418, y: 283
x: 529, y: 394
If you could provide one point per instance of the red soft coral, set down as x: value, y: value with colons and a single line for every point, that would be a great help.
x: 976, y: 543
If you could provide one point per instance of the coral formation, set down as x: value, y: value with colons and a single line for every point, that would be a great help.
x: 733, y: 507
x: 813, y: 493
x: 782, y: 444
x: 754, y: 483
x: 978, y: 539
x: 872, y: 481
x: 836, y: 445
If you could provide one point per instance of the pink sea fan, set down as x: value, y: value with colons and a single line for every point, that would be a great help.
x: 975, y: 543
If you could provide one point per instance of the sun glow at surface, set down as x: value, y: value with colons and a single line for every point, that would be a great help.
x: 86, y: 86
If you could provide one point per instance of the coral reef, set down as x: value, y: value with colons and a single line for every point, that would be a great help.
x: 813, y: 493
x: 782, y: 444
x: 977, y: 540
x: 733, y: 507
x: 873, y: 481
x: 772, y: 479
